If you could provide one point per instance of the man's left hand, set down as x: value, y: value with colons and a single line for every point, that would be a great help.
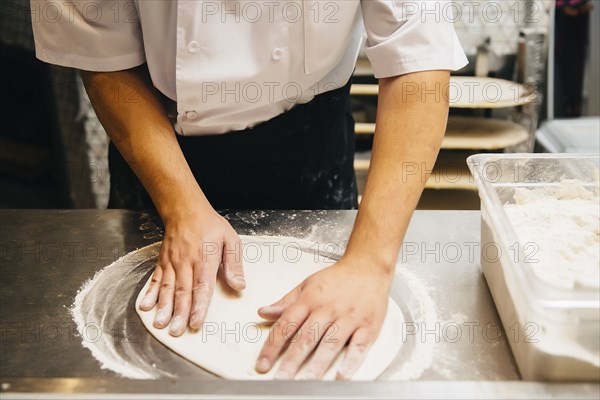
x: 344, y: 303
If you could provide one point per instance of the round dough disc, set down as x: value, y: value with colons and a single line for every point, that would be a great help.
x: 233, y: 334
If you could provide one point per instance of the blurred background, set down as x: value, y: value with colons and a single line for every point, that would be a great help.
x: 53, y: 149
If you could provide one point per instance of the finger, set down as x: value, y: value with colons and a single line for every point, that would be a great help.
x: 205, y: 276
x: 282, y: 331
x: 165, y: 297
x: 232, y: 263
x: 151, y: 295
x: 357, y: 350
x: 309, y: 337
x: 276, y: 310
x: 332, y: 343
x: 183, y: 301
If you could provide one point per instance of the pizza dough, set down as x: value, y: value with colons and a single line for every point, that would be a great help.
x: 485, y: 92
x: 473, y: 92
x: 234, y: 334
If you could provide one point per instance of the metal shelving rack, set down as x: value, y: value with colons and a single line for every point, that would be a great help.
x: 489, y: 127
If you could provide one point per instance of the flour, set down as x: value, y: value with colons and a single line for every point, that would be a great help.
x: 102, y: 297
x: 104, y: 308
x: 424, y: 313
x: 560, y: 231
x: 561, y: 226
x: 234, y: 335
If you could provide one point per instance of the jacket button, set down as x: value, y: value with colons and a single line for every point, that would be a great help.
x: 277, y: 54
x: 193, y: 46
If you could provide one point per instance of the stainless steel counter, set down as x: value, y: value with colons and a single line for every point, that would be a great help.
x: 47, y: 255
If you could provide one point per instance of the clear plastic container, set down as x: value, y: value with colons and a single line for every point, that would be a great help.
x: 554, y: 333
x: 577, y: 135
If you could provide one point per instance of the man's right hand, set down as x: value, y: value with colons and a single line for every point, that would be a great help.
x: 194, y: 247
x: 197, y: 239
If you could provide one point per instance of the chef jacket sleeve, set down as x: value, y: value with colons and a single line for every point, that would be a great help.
x: 88, y: 34
x: 405, y: 36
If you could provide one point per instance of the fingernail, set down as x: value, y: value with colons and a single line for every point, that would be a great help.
x: 146, y: 302
x: 239, y: 280
x: 161, y: 317
x: 176, y: 326
x: 282, y: 375
x: 269, y: 310
x: 197, y: 317
x: 262, y: 365
x: 306, y: 376
x: 342, y: 374
x: 196, y: 322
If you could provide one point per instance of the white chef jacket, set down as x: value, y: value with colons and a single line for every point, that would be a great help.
x: 230, y: 65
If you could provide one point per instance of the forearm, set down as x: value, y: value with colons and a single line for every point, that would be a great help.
x: 142, y: 132
x: 410, y: 129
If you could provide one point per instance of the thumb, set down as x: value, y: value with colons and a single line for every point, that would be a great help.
x: 275, y: 310
x: 232, y: 263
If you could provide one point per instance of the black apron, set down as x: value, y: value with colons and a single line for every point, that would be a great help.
x: 301, y: 159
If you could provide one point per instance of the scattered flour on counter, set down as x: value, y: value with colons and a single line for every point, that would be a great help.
x: 424, y: 314
x: 561, y: 227
x: 105, y: 303
x: 100, y: 302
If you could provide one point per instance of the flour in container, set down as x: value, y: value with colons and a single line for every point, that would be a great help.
x: 561, y: 227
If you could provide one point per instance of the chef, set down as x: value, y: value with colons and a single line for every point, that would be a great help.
x: 245, y: 105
